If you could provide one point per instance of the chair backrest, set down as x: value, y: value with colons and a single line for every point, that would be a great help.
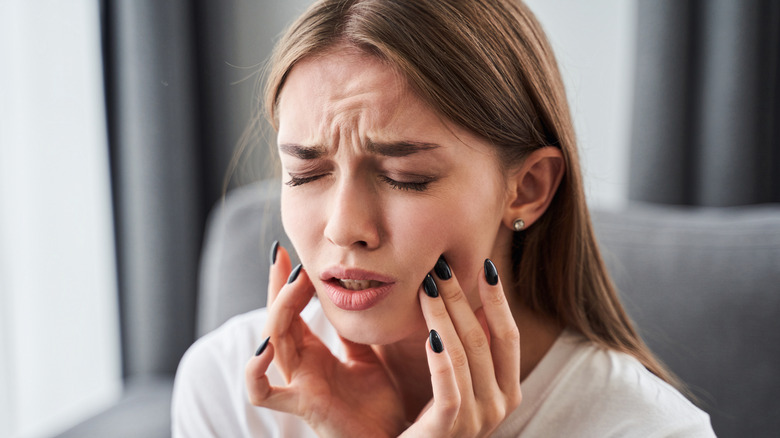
x: 235, y: 258
x: 703, y: 286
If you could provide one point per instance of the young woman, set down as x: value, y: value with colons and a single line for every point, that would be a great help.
x: 432, y: 191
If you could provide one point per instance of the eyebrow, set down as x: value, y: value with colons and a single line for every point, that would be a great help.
x: 387, y: 149
x: 303, y: 152
x: 398, y: 148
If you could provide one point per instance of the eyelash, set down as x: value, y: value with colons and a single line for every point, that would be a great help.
x: 399, y: 185
x: 396, y: 185
x: 299, y: 180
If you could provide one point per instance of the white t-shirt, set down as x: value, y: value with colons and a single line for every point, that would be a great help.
x: 577, y: 390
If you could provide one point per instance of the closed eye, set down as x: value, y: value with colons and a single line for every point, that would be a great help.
x: 299, y: 180
x: 418, y: 186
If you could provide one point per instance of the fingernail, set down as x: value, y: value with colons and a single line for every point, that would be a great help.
x: 429, y: 286
x: 262, y: 347
x: 274, y: 248
x: 294, y: 274
x: 490, y: 273
x: 435, y: 340
x: 442, y: 269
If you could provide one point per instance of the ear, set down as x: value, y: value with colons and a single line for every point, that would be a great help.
x: 533, y: 185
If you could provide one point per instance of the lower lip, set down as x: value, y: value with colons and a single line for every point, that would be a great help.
x: 347, y: 299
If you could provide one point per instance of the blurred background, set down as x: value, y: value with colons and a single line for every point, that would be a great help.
x: 119, y: 120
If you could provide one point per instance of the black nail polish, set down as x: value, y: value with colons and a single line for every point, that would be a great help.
x: 274, y: 248
x: 435, y: 341
x: 262, y: 347
x: 429, y: 286
x: 491, y: 275
x: 442, y: 269
x: 294, y: 273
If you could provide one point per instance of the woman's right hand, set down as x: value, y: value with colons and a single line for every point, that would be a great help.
x: 351, y: 398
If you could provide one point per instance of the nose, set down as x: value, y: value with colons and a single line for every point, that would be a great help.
x: 353, y: 217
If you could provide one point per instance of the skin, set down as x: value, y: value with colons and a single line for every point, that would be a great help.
x: 348, y: 204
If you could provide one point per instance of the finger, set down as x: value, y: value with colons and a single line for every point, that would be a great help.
x: 259, y: 389
x: 278, y: 272
x: 437, y: 317
x: 480, y: 314
x: 471, y: 335
x: 284, y: 323
x: 446, y: 395
x: 505, y: 337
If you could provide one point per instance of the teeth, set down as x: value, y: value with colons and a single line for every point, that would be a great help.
x: 358, y: 284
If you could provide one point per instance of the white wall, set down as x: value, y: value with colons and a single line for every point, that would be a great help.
x: 59, y: 341
x: 594, y: 42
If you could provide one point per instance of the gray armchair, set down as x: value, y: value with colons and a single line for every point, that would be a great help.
x: 703, y: 286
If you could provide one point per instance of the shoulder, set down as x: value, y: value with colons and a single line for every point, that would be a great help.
x: 581, y: 389
x: 209, y: 396
x: 630, y: 397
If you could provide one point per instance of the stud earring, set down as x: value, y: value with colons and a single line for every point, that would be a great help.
x: 518, y: 224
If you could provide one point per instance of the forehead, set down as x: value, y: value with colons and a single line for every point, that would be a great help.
x: 347, y: 87
x: 348, y: 95
x: 343, y: 73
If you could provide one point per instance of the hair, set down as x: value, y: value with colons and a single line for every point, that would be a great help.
x: 487, y: 66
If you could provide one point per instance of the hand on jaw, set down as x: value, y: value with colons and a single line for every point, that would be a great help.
x: 475, y: 375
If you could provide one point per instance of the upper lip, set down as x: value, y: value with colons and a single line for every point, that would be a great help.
x: 344, y: 273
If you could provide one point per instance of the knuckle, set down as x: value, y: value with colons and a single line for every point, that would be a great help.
x: 497, y: 298
x: 254, y: 399
x: 450, y: 406
x: 514, y: 398
x: 438, y: 311
x: 493, y: 414
x: 440, y: 370
x: 458, y: 358
x: 476, y: 339
x: 257, y: 397
x: 511, y: 334
x: 451, y: 293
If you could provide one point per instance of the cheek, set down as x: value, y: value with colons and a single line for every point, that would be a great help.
x: 423, y: 231
x: 417, y: 229
x: 300, y: 223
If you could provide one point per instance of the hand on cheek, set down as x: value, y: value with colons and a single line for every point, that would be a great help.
x: 335, y: 398
x: 474, y: 357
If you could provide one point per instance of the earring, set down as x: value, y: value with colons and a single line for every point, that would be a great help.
x: 518, y: 224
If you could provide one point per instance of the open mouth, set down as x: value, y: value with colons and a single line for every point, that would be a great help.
x: 355, y: 289
x: 358, y: 284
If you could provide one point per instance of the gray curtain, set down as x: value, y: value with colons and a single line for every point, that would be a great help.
x: 181, y: 88
x: 158, y: 176
x: 706, y: 116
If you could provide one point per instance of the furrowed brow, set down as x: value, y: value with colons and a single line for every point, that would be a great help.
x: 398, y: 148
x: 303, y: 152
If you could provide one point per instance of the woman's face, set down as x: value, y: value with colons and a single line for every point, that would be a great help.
x: 377, y: 187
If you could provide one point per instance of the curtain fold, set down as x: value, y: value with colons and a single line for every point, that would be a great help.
x: 157, y: 161
x: 707, y: 103
x: 180, y: 82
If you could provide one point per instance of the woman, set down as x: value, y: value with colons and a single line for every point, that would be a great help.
x: 432, y: 191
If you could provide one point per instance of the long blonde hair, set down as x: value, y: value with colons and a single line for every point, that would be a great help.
x: 487, y: 66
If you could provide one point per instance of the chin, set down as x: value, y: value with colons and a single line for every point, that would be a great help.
x: 375, y: 327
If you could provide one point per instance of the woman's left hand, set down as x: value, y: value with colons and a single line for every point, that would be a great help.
x: 476, y: 375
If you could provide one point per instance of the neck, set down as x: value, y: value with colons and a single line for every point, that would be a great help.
x: 407, y: 363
